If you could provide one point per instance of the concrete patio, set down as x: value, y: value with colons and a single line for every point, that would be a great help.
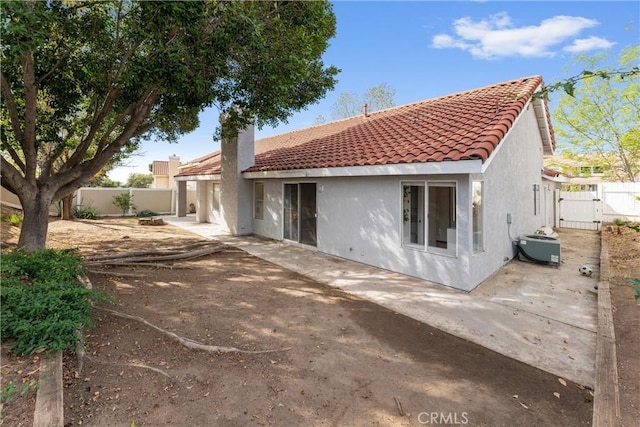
x: 543, y: 316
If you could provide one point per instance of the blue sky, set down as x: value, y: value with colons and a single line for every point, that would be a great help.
x: 426, y: 49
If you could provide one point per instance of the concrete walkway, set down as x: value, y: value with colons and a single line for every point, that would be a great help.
x: 543, y: 316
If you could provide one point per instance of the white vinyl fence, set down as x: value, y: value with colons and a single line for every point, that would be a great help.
x: 587, y: 210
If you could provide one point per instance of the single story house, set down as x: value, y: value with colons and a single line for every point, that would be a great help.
x: 436, y: 189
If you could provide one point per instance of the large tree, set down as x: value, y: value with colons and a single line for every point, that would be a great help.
x: 596, y: 120
x: 84, y: 81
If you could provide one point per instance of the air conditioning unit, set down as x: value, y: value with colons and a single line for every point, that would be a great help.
x: 539, y: 248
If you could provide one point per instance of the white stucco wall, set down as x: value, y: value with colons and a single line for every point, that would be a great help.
x: 508, y: 188
x: 359, y: 218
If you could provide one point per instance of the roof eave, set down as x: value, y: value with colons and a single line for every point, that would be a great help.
x: 429, y: 168
x: 208, y: 177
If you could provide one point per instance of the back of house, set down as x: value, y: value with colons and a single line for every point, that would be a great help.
x: 436, y: 189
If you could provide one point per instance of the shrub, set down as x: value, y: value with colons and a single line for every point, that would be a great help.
x: 85, y: 212
x: 44, y: 303
x: 124, y: 201
x: 15, y: 220
x: 12, y: 218
x: 146, y: 213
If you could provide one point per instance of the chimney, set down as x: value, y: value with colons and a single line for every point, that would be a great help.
x: 236, y: 193
x: 174, y: 162
x: 365, y: 107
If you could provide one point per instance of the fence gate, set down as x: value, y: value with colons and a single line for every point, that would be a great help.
x: 579, y: 209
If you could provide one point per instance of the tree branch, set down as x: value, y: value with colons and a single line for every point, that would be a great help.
x: 54, y: 68
x: 11, y: 178
x: 10, y: 102
x: 28, y: 141
x: 70, y: 178
x: 12, y: 153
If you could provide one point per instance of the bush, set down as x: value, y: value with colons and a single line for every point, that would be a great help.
x: 85, y: 212
x: 124, y: 201
x: 44, y: 303
x: 12, y: 218
x: 147, y: 213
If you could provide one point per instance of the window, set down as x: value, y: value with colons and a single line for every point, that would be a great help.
x: 477, y: 189
x: 413, y: 214
x: 258, y: 197
x: 216, y: 197
x: 442, y: 208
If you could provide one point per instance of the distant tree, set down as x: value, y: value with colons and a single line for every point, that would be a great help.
x: 139, y: 180
x: 319, y: 120
x: 350, y: 104
x: 81, y: 81
x: 104, y: 182
x: 379, y: 97
x: 597, y: 120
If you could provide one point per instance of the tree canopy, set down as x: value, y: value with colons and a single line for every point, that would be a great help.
x: 139, y: 180
x: 597, y: 120
x: 84, y: 82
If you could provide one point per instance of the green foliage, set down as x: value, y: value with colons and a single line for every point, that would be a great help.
x: 15, y: 220
x: 98, y: 78
x: 597, y: 121
x: 139, y: 180
x: 43, y: 301
x: 104, y: 182
x: 12, y: 218
x: 636, y: 287
x: 146, y: 213
x: 568, y: 85
x: 9, y: 391
x: 84, y: 212
x: 124, y: 201
x: 621, y: 223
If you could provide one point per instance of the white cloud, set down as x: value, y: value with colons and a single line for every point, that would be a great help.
x: 497, y: 36
x: 590, y: 43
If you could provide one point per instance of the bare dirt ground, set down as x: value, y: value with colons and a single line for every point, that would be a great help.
x: 624, y: 264
x: 340, y: 360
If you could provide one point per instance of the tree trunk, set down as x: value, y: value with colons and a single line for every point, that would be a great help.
x: 35, y: 222
x: 66, y: 207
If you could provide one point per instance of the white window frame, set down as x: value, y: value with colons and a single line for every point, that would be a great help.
x: 477, y: 236
x: 452, y: 247
x: 406, y: 215
x: 258, y: 203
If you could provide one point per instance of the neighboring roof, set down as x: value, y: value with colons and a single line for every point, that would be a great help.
x: 463, y: 126
x: 160, y: 167
x: 205, y: 165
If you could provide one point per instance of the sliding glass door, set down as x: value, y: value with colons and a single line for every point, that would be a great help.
x: 300, y: 213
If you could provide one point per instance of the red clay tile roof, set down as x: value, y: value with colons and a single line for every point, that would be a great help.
x: 463, y: 126
x: 160, y: 167
x: 205, y: 165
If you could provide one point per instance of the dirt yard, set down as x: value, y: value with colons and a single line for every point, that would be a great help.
x: 336, y: 360
x: 624, y: 256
